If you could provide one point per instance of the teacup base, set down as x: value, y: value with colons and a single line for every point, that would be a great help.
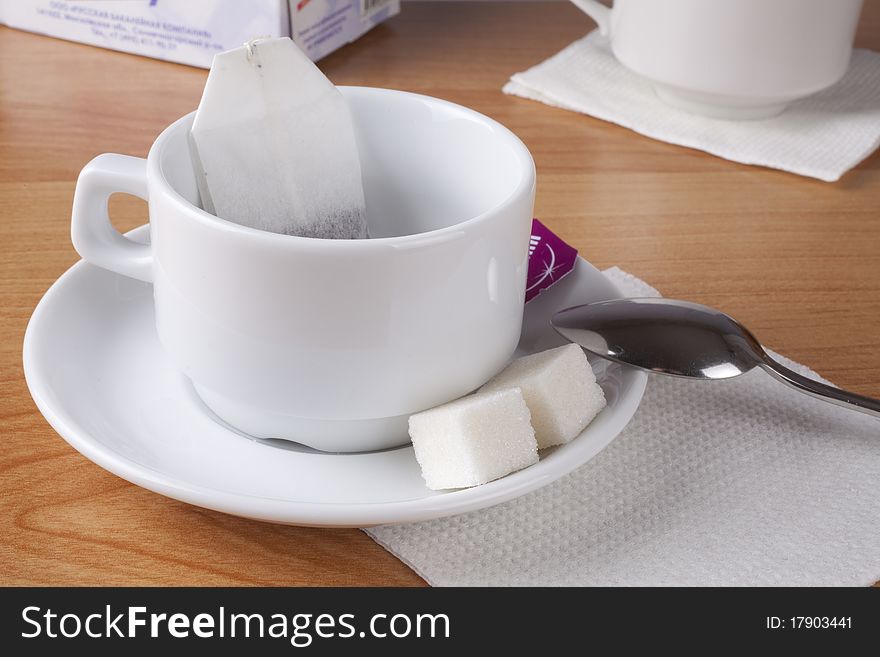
x: 719, y: 107
x: 363, y: 435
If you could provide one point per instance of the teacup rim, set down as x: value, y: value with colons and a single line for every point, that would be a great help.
x: 525, y: 186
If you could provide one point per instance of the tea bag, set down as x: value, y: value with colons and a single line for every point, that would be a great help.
x: 274, y: 147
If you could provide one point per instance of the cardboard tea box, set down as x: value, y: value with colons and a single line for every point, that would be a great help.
x: 193, y: 31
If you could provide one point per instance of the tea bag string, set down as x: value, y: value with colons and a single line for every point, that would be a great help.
x: 252, y: 44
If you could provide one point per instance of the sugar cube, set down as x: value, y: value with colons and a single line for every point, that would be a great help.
x: 474, y: 439
x: 559, y: 388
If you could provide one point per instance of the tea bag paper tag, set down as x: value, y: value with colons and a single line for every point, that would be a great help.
x: 274, y: 147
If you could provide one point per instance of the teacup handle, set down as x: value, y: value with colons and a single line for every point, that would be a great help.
x: 598, y: 12
x: 93, y: 236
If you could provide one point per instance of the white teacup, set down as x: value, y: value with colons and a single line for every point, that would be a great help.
x: 333, y: 343
x: 738, y: 59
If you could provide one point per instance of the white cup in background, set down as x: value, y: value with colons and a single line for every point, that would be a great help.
x: 737, y: 59
x: 333, y: 343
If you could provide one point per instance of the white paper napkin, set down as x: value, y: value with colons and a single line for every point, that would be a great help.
x: 737, y: 482
x: 822, y: 136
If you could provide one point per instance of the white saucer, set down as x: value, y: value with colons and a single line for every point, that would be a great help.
x: 96, y: 370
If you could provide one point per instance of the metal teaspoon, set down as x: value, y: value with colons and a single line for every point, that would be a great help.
x: 684, y: 339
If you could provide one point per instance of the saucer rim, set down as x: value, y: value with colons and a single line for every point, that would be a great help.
x: 309, y: 513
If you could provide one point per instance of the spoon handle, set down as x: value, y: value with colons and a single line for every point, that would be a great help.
x: 818, y: 390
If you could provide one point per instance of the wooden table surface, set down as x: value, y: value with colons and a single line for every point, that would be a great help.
x: 797, y: 260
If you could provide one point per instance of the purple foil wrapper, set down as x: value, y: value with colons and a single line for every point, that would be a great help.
x: 550, y: 260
